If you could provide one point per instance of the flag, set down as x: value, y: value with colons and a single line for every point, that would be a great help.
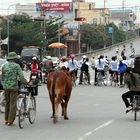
x: 5, y: 41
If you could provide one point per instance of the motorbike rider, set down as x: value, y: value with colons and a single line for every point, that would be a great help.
x: 35, y: 68
x: 47, y: 64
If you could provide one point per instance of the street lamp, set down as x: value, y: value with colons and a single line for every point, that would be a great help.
x: 8, y: 24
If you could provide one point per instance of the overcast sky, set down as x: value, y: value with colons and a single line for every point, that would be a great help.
x: 4, y: 4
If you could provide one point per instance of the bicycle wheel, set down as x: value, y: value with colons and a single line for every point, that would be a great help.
x: 135, y: 107
x: 100, y: 79
x: 21, y: 114
x: 32, y: 110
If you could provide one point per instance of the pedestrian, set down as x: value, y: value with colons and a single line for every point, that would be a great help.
x: 11, y: 71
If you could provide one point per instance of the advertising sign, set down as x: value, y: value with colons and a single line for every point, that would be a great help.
x: 110, y: 30
x: 62, y: 7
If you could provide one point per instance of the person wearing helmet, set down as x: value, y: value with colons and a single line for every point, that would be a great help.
x: 35, y: 68
x: 47, y: 64
x: 19, y: 61
x: 84, y: 69
x: 63, y: 63
x: 83, y: 60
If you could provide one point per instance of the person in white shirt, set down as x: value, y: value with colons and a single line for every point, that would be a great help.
x: 99, y: 66
x: 131, y: 61
x: 73, y: 65
x: 83, y: 60
x: 64, y: 63
x: 114, y: 67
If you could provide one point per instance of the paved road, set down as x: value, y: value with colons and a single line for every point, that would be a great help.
x: 94, y: 112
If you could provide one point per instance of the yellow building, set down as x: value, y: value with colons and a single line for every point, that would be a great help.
x: 93, y: 15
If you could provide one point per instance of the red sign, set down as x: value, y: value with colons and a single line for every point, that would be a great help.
x: 54, y: 6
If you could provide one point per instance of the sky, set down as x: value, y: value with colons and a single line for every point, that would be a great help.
x: 5, y: 4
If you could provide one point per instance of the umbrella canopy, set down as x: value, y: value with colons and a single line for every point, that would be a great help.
x: 57, y: 45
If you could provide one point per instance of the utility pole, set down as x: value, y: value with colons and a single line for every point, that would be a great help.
x: 0, y: 41
x: 79, y: 32
x: 59, y: 54
x: 123, y: 15
x: 104, y: 22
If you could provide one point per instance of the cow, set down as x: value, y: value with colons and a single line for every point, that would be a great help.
x: 59, y: 86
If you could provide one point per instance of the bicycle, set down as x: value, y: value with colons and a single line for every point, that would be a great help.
x: 2, y: 102
x: 100, y: 78
x: 85, y: 78
x: 26, y: 105
x: 73, y: 76
x: 113, y: 79
x: 135, y: 106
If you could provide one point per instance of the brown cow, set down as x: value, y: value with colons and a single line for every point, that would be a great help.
x: 59, y: 86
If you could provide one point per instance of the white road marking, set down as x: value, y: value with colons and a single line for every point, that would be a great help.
x: 96, y: 129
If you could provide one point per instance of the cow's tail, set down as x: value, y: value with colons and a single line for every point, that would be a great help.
x: 53, y: 94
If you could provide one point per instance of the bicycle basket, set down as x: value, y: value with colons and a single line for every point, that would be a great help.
x: 33, y: 90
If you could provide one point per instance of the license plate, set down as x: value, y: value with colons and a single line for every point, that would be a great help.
x: 33, y: 76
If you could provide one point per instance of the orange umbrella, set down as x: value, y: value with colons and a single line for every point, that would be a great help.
x: 57, y: 45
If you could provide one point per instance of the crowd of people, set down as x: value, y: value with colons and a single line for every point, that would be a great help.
x: 126, y: 69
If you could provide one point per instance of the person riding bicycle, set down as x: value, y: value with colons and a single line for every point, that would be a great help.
x: 133, y: 82
x: 114, y: 68
x: 73, y: 65
x: 63, y: 63
x: 85, y: 68
x: 99, y: 66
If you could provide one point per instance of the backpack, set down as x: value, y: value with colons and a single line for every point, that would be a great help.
x: 137, y: 65
x: 84, y: 67
x: 122, y: 68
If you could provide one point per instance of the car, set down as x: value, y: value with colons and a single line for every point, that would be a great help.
x: 55, y: 61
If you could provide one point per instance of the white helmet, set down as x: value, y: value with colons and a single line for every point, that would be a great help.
x: 34, y: 58
x: 84, y: 56
x: 49, y: 57
x: 18, y: 56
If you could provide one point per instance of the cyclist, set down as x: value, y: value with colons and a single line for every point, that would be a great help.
x: 133, y: 82
x: 85, y: 68
x: 99, y: 66
x: 114, y: 67
x: 10, y: 73
x: 64, y: 63
x: 73, y: 65
x: 83, y: 60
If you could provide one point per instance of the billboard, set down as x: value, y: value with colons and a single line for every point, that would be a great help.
x: 55, y: 7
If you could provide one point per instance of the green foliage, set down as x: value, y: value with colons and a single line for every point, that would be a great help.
x: 97, y: 36
x: 24, y: 31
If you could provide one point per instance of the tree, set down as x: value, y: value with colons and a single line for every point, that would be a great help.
x: 25, y: 31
